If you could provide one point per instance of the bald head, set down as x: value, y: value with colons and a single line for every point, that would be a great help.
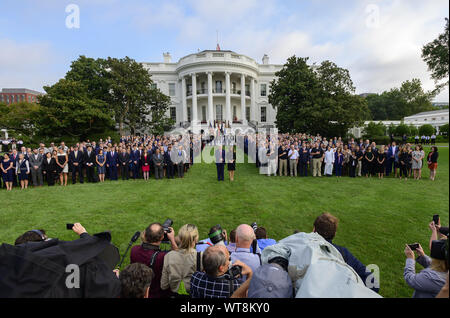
x: 244, y: 236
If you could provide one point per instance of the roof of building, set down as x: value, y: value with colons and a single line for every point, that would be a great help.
x: 20, y: 91
x: 434, y: 112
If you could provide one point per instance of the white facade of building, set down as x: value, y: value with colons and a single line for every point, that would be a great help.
x: 213, y: 86
x: 435, y: 118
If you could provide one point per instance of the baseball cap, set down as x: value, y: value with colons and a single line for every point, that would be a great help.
x: 270, y: 281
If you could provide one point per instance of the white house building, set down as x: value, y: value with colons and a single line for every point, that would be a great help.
x: 435, y: 118
x: 216, y: 85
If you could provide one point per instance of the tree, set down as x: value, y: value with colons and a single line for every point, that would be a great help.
x: 426, y: 130
x: 402, y: 129
x: 413, y: 131
x: 444, y: 130
x: 436, y: 55
x: 399, y: 103
x: 20, y: 117
x: 316, y: 101
x: 136, y: 104
x: 373, y: 129
x: 69, y: 109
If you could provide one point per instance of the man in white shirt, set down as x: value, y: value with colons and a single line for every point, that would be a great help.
x: 293, y: 161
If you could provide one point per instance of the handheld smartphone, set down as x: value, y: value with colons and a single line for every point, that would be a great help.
x: 414, y: 246
x: 69, y: 226
x: 436, y: 218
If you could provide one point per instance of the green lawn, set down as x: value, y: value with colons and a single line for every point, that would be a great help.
x: 377, y: 217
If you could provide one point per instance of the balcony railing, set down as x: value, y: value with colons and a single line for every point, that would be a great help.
x: 220, y: 91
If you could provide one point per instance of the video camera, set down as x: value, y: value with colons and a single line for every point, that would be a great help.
x: 235, y: 271
x: 216, y: 234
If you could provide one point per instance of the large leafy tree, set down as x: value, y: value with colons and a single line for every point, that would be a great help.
x: 69, y: 109
x: 316, y: 99
x: 398, y: 103
x: 136, y: 104
x: 21, y: 118
x: 436, y: 55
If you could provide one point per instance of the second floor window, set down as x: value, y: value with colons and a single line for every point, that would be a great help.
x: 219, y: 87
x: 263, y: 114
x: 172, y: 89
x: 173, y: 113
x: 263, y: 90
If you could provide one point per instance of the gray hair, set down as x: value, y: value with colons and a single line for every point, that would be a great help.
x: 213, y: 257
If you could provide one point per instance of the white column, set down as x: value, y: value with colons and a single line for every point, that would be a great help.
x: 243, y: 106
x: 228, y: 98
x: 194, y: 99
x: 210, y: 99
x: 183, y: 98
x: 253, y: 100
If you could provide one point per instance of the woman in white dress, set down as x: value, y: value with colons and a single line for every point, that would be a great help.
x: 417, y: 157
x: 62, y: 161
x: 329, y: 162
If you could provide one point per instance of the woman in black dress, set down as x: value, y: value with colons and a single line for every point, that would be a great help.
x: 231, y: 160
x: 403, y: 158
x: 381, y: 159
x: 369, y: 162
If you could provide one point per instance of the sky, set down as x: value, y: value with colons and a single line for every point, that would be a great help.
x: 378, y: 41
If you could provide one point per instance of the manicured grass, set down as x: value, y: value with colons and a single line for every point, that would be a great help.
x: 377, y: 217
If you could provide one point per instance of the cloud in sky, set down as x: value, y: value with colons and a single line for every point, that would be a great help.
x: 378, y: 58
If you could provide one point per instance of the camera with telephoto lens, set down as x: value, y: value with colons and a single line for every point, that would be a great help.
x: 254, y: 226
x: 216, y: 234
x: 166, y: 227
x: 235, y: 271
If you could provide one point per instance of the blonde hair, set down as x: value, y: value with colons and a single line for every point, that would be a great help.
x: 188, y: 235
x: 439, y: 265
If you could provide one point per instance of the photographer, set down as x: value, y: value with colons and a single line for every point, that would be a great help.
x: 216, y: 236
x: 261, y: 237
x: 326, y: 226
x: 244, y: 239
x: 150, y: 254
x: 429, y: 282
x: 135, y: 281
x: 219, y: 279
x: 40, y: 235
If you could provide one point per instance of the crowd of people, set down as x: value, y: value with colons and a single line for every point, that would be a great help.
x: 302, y: 155
x: 230, y: 266
x: 133, y: 157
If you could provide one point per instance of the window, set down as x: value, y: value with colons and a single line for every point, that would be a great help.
x: 233, y: 88
x: 219, y: 112
x: 234, y: 112
x: 17, y: 98
x: 247, y: 89
x: 7, y: 99
x: 247, y: 113
x: 154, y: 86
x: 173, y: 113
x: 219, y: 87
x: 203, y: 113
x: 1, y: 98
x: 433, y: 119
x: 189, y: 114
x: 29, y: 99
x: 172, y: 89
x: 22, y: 98
x: 189, y: 89
x: 263, y: 114
x: 263, y: 90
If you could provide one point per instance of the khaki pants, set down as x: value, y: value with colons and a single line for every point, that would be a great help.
x: 283, y: 166
x: 293, y: 167
x: 317, y: 166
x: 358, y: 168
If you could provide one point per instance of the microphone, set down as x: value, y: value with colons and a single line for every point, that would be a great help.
x: 133, y: 239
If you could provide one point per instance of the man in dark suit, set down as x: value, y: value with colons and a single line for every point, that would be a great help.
x: 158, y: 161
x: 89, y: 161
x: 76, y: 158
x: 15, y: 159
x: 35, y: 161
x: 134, y: 157
x: 169, y: 163
x: 124, y: 159
x: 220, y: 163
x: 112, y: 163
x: 393, y: 150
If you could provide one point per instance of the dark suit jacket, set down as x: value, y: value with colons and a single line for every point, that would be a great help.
x: 78, y: 159
x: 90, y: 158
x: 124, y: 158
x: 112, y: 160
